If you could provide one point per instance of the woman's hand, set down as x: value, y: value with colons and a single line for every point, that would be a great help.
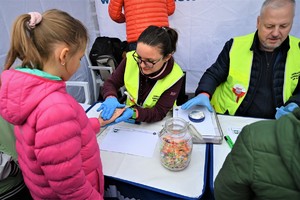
x: 109, y: 106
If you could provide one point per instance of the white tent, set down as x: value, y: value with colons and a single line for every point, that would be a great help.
x: 203, y: 25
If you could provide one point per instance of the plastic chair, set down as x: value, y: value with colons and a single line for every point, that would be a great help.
x: 106, y: 66
x: 85, y: 86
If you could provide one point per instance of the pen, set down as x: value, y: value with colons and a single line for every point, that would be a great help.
x: 130, y: 97
x: 229, y: 141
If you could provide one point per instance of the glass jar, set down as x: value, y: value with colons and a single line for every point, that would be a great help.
x: 175, y: 144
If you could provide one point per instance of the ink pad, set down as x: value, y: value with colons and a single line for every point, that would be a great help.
x: 196, y: 116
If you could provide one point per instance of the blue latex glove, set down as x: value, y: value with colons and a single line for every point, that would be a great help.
x: 283, y: 110
x: 127, y: 114
x: 200, y: 100
x: 109, y: 106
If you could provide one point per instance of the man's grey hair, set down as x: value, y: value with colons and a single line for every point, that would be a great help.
x: 277, y: 4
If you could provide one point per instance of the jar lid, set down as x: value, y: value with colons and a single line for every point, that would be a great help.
x: 196, y: 116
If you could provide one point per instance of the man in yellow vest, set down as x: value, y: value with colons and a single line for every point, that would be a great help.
x: 256, y: 75
x: 151, y: 77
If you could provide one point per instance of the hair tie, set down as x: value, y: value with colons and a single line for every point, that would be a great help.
x: 35, y: 18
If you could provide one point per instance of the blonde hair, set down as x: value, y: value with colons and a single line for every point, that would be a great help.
x: 35, y: 46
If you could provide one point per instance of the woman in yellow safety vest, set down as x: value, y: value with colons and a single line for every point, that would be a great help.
x: 151, y: 77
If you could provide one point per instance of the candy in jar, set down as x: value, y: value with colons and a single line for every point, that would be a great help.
x: 175, y: 144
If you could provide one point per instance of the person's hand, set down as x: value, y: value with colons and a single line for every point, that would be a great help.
x: 111, y: 121
x: 127, y: 114
x: 109, y: 106
x: 283, y: 110
x: 200, y: 100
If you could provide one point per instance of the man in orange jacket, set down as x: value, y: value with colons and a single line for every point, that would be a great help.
x: 139, y: 14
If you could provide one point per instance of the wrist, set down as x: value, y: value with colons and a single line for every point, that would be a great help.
x: 110, y: 96
x: 206, y: 94
x: 101, y: 122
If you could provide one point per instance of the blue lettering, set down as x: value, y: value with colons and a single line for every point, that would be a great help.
x: 104, y: 1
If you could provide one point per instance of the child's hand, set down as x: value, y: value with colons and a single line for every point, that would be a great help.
x: 117, y: 113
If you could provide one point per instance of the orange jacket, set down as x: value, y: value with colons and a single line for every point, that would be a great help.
x: 139, y: 14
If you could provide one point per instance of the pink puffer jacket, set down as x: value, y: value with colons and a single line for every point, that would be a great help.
x: 56, y: 142
x: 139, y: 14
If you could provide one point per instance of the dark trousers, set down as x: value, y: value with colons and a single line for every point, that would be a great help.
x: 20, y: 192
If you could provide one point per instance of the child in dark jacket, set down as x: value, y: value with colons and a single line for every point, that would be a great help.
x: 264, y: 162
x: 12, y: 186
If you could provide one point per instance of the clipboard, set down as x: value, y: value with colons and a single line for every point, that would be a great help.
x: 208, y: 131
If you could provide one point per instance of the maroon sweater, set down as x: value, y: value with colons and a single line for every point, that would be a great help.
x: 163, y: 105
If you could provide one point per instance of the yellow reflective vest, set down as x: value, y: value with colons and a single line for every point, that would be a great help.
x: 131, y: 81
x: 230, y: 94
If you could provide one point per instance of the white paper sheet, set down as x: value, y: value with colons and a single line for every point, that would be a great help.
x: 133, y: 141
x: 230, y: 125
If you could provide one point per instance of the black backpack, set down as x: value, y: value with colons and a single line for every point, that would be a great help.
x: 111, y: 48
x: 107, y: 51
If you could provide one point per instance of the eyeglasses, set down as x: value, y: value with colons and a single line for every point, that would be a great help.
x: 148, y: 63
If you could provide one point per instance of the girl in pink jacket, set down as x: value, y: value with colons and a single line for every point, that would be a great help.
x: 55, y: 141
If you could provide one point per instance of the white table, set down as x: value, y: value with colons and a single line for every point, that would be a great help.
x: 221, y: 151
x: 150, y: 174
x: 189, y: 183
